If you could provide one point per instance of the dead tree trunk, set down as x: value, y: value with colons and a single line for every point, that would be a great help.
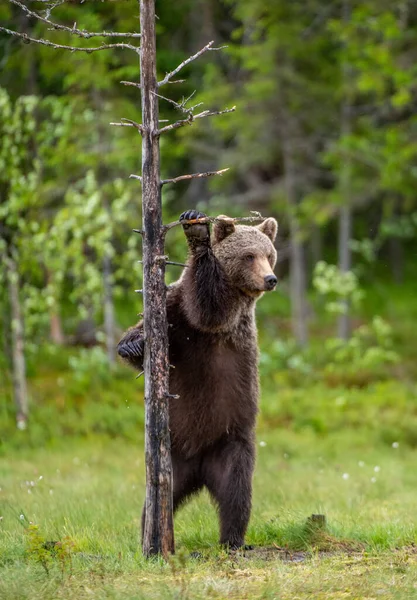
x: 158, y: 534
x: 17, y: 339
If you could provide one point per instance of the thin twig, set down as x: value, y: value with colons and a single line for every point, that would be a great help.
x: 206, y: 48
x: 256, y: 218
x: 194, y: 176
x: 132, y: 83
x: 27, y: 39
x: 177, y: 124
x: 138, y: 126
x: 128, y: 123
x: 177, y: 264
x: 72, y: 30
x: 140, y: 374
x: 191, y: 118
x: 133, y: 176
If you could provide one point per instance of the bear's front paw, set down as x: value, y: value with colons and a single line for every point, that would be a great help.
x: 196, y: 232
x: 131, y: 347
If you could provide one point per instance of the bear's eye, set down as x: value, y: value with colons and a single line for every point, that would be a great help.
x: 250, y: 257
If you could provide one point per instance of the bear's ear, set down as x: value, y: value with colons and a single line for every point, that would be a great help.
x: 270, y: 228
x: 223, y: 227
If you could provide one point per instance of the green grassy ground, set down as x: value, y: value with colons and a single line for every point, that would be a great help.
x: 72, y: 485
x: 87, y: 495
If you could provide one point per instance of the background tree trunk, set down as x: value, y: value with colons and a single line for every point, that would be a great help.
x: 55, y: 326
x: 158, y: 534
x: 345, y: 214
x: 109, y: 321
x: 17, y: 339
x: 297, y: 259
x: 56, y: 334
x: 396, y: 256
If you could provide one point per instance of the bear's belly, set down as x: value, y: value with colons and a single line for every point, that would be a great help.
x: 217, y: 388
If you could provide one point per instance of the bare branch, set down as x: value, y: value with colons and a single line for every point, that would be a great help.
x: 132, y: 83
x: 128, y: 123
x: 27, y: 39
x: 177, y: 124
x: 191, y: 118
x: 72, y: 30
x: 256, y: 218
x: 178, y: 264
x: 207, y: 48
x: 138, y: 126
x: 194, y: 176
x: 138, y: 177
x: 212, y: 113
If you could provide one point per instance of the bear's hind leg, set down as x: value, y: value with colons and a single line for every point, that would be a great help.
x: 228, y: 473
x: 187, y: 478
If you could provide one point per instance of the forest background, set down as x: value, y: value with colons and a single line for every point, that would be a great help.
x: 324, y: 138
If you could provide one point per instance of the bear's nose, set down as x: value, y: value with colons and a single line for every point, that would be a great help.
x: 270, y: 282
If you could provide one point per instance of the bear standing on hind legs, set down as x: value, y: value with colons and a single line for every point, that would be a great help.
x: 213, y: 347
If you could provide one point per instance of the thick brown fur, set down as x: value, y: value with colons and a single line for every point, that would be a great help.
x: 213, y: 347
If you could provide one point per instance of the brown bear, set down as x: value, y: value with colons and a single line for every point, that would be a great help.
x: 213, y: 347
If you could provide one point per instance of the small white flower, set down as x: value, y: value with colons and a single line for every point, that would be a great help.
x: 361, y: 463
x: 377, y: 469
x: 29, y: 491
x: 32, y: 483
x: 373, y: 479
x: 22, y: 517
x: 395, y: 445
x: 262, y: 444
x: 40, y: 477
x: 51, y: 492
x: 345, y: 476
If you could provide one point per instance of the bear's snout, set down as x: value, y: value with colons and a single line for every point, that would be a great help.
x: 270, y: 282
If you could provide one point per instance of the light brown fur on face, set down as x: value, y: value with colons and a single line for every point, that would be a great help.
x: 247, y: 254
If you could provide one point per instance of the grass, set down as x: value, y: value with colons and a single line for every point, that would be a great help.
x: 87, y: 495
x: 72, y: 486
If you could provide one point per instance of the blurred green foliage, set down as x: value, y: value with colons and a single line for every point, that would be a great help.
x: 67, y: 205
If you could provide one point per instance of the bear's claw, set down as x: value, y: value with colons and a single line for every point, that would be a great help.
x: 197, y: 233
x: 190, y: 215
x: 130, y: 349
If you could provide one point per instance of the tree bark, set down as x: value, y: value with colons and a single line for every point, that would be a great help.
x: 109, y: 322
x: 158, y: 534
x: 17, y: 339
x: 297, y: 259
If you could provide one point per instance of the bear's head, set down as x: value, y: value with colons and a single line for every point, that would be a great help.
x: 247, y: 254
